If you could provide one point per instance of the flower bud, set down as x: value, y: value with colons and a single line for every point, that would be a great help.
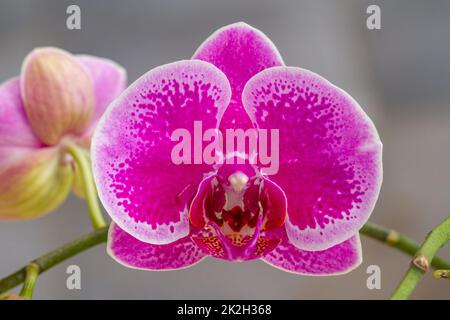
x: 58, y: 94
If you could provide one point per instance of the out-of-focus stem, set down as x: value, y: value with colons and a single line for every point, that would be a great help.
x: 54, y: 257
x: 31, y: 275
x: 442, y: 274
x: 90, y: 192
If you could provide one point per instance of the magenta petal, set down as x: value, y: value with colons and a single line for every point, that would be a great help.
x: 330, y: 154
x: 240, y: 51
x: 338, y: 259
x: 109, y: 78
x: 132, y: 253
x: 14, y: 127
x: 16, y: 135
x: 142, y: 189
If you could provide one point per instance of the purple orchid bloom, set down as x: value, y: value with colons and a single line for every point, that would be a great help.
x: 304, y: 218
x: 58, y: 99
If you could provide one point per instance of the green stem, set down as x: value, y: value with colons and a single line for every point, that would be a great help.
x: 442, y: 274
x: 96, y: 237
x: 401, y: 242
x: 56, y: 256
x: 90, y: 192
x: 31, y: 275
x: 436, y: 239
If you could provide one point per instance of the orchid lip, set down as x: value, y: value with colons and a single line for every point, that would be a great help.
x: 234, y: 206
x: 233, y: 251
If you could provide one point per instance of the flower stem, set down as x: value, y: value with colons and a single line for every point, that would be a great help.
x: 31, y: 275
x: 437, y: 238
x: 98, y: 236
x: 401, y: 242
x: 54, y: 257
x: 90, y: 192
x: 442, y: 274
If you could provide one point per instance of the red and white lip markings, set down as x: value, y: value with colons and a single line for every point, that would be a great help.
x: 236, y: 207
x: 302, y: 217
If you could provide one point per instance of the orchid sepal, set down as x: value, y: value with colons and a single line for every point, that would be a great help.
x: 58, y: 94
x: 34, y: 184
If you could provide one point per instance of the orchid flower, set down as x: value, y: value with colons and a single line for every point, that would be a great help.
x: 304, y: 218
x: 47, y: 113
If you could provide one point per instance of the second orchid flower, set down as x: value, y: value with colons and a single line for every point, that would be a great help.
x: 53, y: 105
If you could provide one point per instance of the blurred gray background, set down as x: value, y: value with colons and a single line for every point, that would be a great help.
x: 399, y: 74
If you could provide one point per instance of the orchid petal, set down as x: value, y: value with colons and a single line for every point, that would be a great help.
x: 16, y: 135
x: 338, y: 259
x: 109, y: 79
x: 58, y: 94
x: 34, y: 184
x: 142, y: 189
x: 15, y: 130
x: 240, y: 51
x: 329, y: 150
x: 133, y: 253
